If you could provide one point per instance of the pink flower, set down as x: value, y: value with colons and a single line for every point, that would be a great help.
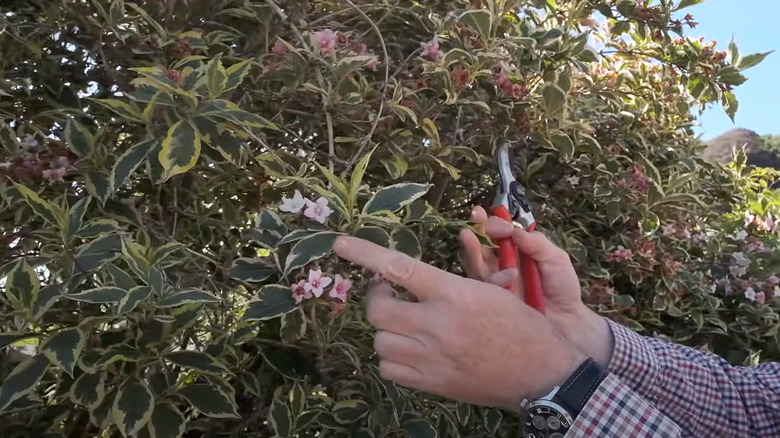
x: 668, y: 230
x: 749, y: 218
x: 300, y: 293
x: 589, y: 21
x: 431, y: 48
x: 621, y: 254
x: 280, y: 48
x: 294, y: 204
x: 760, y: 297
x: 773, y: 280
x: 318, y: 211
x: 340, y: 288
x: 317, y: 283
x: 54, y: 175
x: 326, y: 40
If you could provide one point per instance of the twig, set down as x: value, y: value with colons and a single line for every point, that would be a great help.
x: 370, y: 134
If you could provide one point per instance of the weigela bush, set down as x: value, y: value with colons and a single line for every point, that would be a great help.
x: 174, y: 173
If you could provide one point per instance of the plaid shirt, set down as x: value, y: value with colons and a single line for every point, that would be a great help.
x: 660, y: 389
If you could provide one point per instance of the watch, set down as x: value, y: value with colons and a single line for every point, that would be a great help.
x: 552, y: 415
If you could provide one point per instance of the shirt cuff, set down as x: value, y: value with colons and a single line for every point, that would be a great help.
x: 634, y: 361
x: 614, y: 410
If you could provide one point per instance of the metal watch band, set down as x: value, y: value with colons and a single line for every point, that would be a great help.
x: 578, y: 389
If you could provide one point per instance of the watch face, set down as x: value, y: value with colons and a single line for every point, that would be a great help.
x: 545, y: 422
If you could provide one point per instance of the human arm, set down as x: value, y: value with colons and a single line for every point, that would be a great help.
x: 471, y: 341
x: 701, y: 392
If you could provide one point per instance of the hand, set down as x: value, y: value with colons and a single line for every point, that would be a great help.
x: 565, y: 309
x: 463, y: 339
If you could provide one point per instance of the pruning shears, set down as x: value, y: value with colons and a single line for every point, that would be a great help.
x: 511, y: 204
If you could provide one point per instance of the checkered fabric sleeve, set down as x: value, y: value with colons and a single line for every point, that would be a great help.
x: 700, y: 392
x: 616, y: 411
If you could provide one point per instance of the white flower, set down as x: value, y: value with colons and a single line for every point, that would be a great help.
x: 29, y: 142
x: 317, y: 283
x: 750, y: 294
x: 741, y: 236
x: 318, y: 211
x: 713, y: 287
x: 737, y: 271
x: 740, y: 259
x: 574, y: 181
x: 776, y: 291
x: 668, y: 230
x: 294, y: 205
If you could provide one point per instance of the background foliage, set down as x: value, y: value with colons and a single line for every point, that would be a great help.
x: 150, y: 277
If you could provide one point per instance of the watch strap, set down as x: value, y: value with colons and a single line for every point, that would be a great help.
x: 577, y: 390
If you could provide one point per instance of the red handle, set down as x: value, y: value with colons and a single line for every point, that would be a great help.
x: 532, y: 281
x: 507, y: 258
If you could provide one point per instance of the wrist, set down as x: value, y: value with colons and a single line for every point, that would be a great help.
x: 590, y: 333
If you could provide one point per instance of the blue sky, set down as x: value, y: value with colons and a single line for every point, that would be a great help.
x: 755, y: 25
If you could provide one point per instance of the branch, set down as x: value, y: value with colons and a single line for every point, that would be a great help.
x: 370, y: 134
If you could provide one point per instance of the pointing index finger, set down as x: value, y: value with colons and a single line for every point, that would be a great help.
x: 421, y: 279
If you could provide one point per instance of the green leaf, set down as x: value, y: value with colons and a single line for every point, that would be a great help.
x: 297, y: 400
x: 161, y: 253
x: 180, y: 149
x: 46, y: 299
x: 226, y: 110
x: 492, y: 420
x: 349, y: 64
x: 122, y: 109
x: 281, y: 419
x: 733, y: 52
x: 564, y: 144
x: 117, y: 353
x: 97, y: 227
x: 216, y: 77
x: 236, y: 74
x: 752, y: 60
x: 23, y: 285
x: 395, y: 197
x: 187, y: 297
x: 309, y: 249
x: 76, y: 215
x: 129, y: 161
x: 88, y: 389
x: 480, y: 20
x: 9, y: 338
x: 432, y: 131
x: 270, y: 221
x: 687, y: 3
x: 134, y: 297
x: 79, y: 138
x: 210, y: 401
x: 420, y: 428
x: 295, y: 236
x: 132, y: 407
x: 8, y: 139
x: 357, y: 176
x: 22, y: 379
x: 730, y: 104
x: 95, y: 254
x: 98, y: 185
x: 99, y: 412
x: 198, y: 361
x: 271, y: 302
x: 24, y: 403
x: 166, y: 422
x: 374, y: 234
x: 406, y: 241
x: 554, y: 98
x: 251, y: 270
x: 339, y: 186
x: 46, y: 210
x: 121, y: 278
x: 64, y: 348
x: 350, y: 411
x: 100, y: 295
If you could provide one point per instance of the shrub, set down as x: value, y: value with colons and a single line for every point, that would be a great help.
x: 174, y: 174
